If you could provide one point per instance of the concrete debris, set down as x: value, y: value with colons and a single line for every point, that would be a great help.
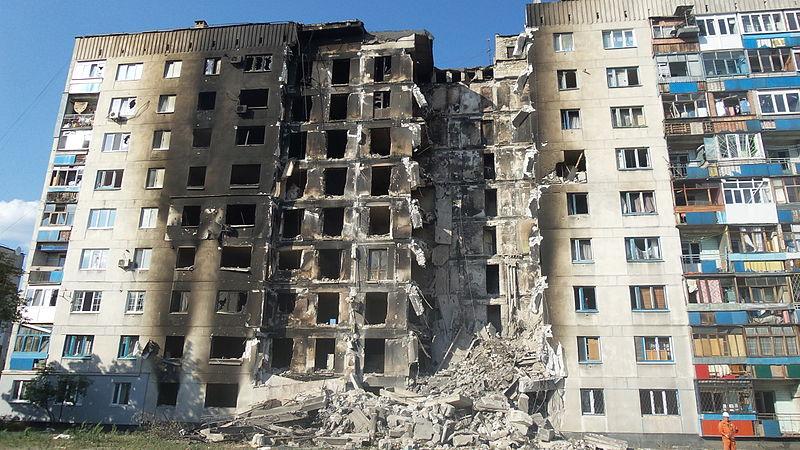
x: 416, y: 298
x: 522, y: 115
x: 419, y: 97
x: 600, y: 442
x: 419, y: 249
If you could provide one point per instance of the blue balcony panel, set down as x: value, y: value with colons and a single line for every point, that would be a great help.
x: 696, y: 172
x: 746, y: 84
x: 785, y: 216
x: 709, y: 266
x: 752, y: 41
x: 707, y: 416
x: 686, y: 87
x: 702, y: 218
x: 766, y: 256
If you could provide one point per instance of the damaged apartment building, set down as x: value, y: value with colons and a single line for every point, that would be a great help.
x: 242, y: 213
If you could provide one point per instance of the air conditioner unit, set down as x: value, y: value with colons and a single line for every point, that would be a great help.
x: 236, y: 59
x: 125, y: 264
x: 241, y: 109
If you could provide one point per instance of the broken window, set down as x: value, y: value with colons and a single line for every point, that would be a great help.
x: 240, y: 215
x: 206, y: 101
x: 86, y: 301
x: 185, y: 257
x: 494, y: 317
x: 378, y: 264
x: 570, y: 119
x: 292, y: 223
x: 212, y: 66
x: 196, y: 178
x: 332, y: 221
x: 490, y: 240
x: 289, y: 259
x: 622, y: 76
x: 124, y: 107
x: 592, y: 402
x: 638, y: 202
x: 179, y: 302
x: 227, y: 347
x: 328, y: 308
x: 380, y: 141
x: 281, y: 353
x: 577, y: 203
x: 201, y: 137
x: 108, y: 179
x: 254, y: 98
x: 301, y: 108
x: 335, y: 180
x: 380, y: 220
x: 581, y: 250
x: 653, y: 348
x: 235, y: 257
x: 245, y: 174
x: 173, y: 347
x: 492, y: 279
x: 258, y: 63
x: 68, y: 176
x: 232, y: 302
x: 167, y: 394
x: 122, y: 394
x: 221, y: 395
x: 567, y: 79
x: 490, y: 202
x: 383, y: 68
x: 296, y: 184
x: 329, y: 262
x: 381, y: 100
x: 250, y: 135
x: 381, y: 178
x: 340, y: 72
x: 765, y: 60
x: 190, y: 217
x: 376, y: 306
x: 588, y: 349
x: 487, y: 132
x: 112, y: 142
x: 336, y: 143
x: 324, y: 353
x: 509, y: 51
x: 297, y: 145
x: 488, y: 166
x: 633, y: 158
x: 643, y: 249
x: 338, y: 107
x: 573, y: 168
x: 627, y: 117
x: 374, y: 355
x: 585, y: 300
x: 644, y: 298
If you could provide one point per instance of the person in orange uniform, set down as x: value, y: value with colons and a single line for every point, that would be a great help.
x: 728, y: 431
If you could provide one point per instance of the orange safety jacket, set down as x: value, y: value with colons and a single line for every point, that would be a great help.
x: 727, y: 429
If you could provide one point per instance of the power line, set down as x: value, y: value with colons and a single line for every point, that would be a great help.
x: 31, y: 104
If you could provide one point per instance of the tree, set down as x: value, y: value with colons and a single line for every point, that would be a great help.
x: 10, y: 301
x: 51, y: 388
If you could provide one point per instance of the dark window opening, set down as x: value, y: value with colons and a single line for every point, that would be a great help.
x: 488, y: 166
x: 286, y: 302
x: 206, y: 101
x: 380, y: 141
x: 201, y: 137
x: 190, y: 216
x: 257, y: 63
x: 289, y: 259
x: 487, y: 132
x: 227, y: 347
x: 381, y: 99
x: 185, y: 257
x: 374, y: 355
x: 490, y: 240
x: 340, y: 73
x: 245, y: 174
x: 335, y: 180
x: 492, y: 279
x: 338, y: 109
x: 296, y: 184
x: 232, y: 302
x: 577, y: 203
x: 301, y: 108
x: 573, y: 168
x: 254, y: 98
x: 167, y: 394
x: 490, y: 202
x: 250, y: 135
x: 281, y: 353
x: 383, y: 67
x: 179, y: 302
x: 324, y: 353
x: 196, y: 178
x: 173, y: 347
x: 493, y: 317
x: 292, y: 222
x: 240, y: 215
x: 376, y: 306
x: 380, y: 220
x: 330, y: 263
x: 235, y: 258
x: 328, y: 308
x: 381, y: 178
x: 221, y: 395
x: 332, y: 221
x: 297, y: 145
x: 336, y: 143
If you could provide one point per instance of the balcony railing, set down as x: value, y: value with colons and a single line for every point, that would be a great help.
x: 724, y: 169
x: 77, y: 121
x: 46, y: 276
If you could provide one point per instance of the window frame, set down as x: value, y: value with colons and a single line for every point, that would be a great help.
x: 628, y: 203
x: 622, y: 158
x: 159, y: 137
x: 584, y: 350
x: 112, y: 145
x: 572, y: 205
x: 216, y: 66
x: 618, y: 118
x: 613, y: 73
x: 142, y: 257
x: 638, y: 302
x: 590, y: 397
x: 86, y: 301
x: 80, y: 346
x: 127, y: 347
x: 783, y: 95
x: 567, y: 119
x: 582, y: 300
x: 137, y: 68
x: 561, y: 79
x: 135, y: 301
x: 92, y: 255
x: 576, y: 245
x: 624, y: 39
x: 558, y: 42
x: 652, y: 393
x: 154, y: 178
x: 121, y: 390
x: 109, y: 214
x: 172, y: 68
x: 166, y: 103
x: 116, y: 176
x: 661, y: 343
x: 630, y: 247
x: 151, y: 213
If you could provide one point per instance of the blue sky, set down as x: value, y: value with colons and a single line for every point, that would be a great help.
x: 37, y: 38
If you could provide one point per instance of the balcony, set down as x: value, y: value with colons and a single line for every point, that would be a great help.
x: 763, y: 167
x: 52, y: 276
x: 75, y: 121
x: 53, y: 235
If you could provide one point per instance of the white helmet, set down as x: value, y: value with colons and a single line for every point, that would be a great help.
x: 725, y: 414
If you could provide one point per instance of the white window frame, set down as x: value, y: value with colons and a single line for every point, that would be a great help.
x: 18, y: 388
x: 116, y: 142
x: 746, y: 191
x: 619, y: 77
x: 559, y: 41
x: 101, y: 219
x: 94, y: 259
x: 568, y: 119
x: 622, y: 158
x: 618, y: 117
x: 739, y: 146
x: 129, y: 72
x: 765, y: 22
x: 151, y: 216
x: 694, y: 66
x: 663, y: 31
x: 122, y: 391
x: 627, y: 38
x: 652, y: 249
x: 792, y: 20
x: 718, y: 26
x: 155, y: 178
x: 134, y: 302
x: 86, y: 301
x: 172, y: 69
x: 212, y: 66
x: 115, y: 180
x: 630, y: 200
x: 562, y: 79
x: 591, y: 394
x: 161, y: 139
x: 88, y: 70
x: 662, y: 401
x: 122, y: 107
x: 577, y: 247
x: 778, y: 100
x: 166, y: 103
x: 572, y: 205
x: 142, y: 258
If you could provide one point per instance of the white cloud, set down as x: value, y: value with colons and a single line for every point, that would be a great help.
x: 17, y: 218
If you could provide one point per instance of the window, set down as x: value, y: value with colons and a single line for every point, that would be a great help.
x: 648, y: 298
x: 653, y: 348
x: 212, y: 66
x: 184, y: 258
x: 489, y: 171
x: 257, y: 63
x: 155, y: 178
x: 231, y: 302
x: 376, y: 306
x: 129, y: 72
x: 58, y: 214
x: 577, y: 203
x: 763, y: 22
x: 679, y: 65
x: 627, y: 117
x: 289, y: 259
x: 684, y: 106
x: 724, y: 342
x: 141, y: 258
x: 168, y: 392
x: 340, y: 72
x: 766, y: 60
x: 102, y: 218
x: 227, y: 347
x: 793, y: 20
x: 380, y: 220
x: 78, y: 346
x: 172, y: 69
x: 74, y: 140
x: 567, y: 79
x: 135, y: 302
x: 201, y: 137
x: 717, y: 25
x: 329, y: 264
x: 377, y: 264
x: 235, y: 258
x: 633, y: 158
x: 206, y: 101
x: 780, y: 102
x: 31, y: 340
x: 250, y: 135
x: 739, y: 145
x: 563, y: 42
x: 585, y: 300
x: 753, y: 240
x: 196, y: 178
x: 381, y: 99
x: 254, y: 98
x: 638, y: 203
x: 588, y: 349
x: 127, y: 347
x: 41, y: 297
x: 173, y: 347
x: 148, y: 218
x: 122, y: 394
x: 220, y: 395
x: 292, y: 223
x: 592, y: 403
x: 240, y: 215
x: 161, y: 139
x: 108, y: 180
x: 643, y: 249
x: 301, y: 108
x: 380, y: 180
x: 332, y: 221
x: 334, y: 180
x: 166, y: 104
x: 380, y: 141
x: 297, y: 145
x: 745, y: 191
x: 18, y: 390
x: 383, y: 68
x: 88, y: 69
x: 86, y: 301
x: 659, y: 402
x: 179, y: 302
x: 570, y: 119
x: 664, y: 31
x: 725, y: 63
x: 581, y: 250
x: 335, y: 143
x: 116, y: 142
x: 245, y: 174
x: 94, y: 259
x: 771, y: 341
x: 622, y: 76
x: 124, y: 107
x: 618, y: 39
